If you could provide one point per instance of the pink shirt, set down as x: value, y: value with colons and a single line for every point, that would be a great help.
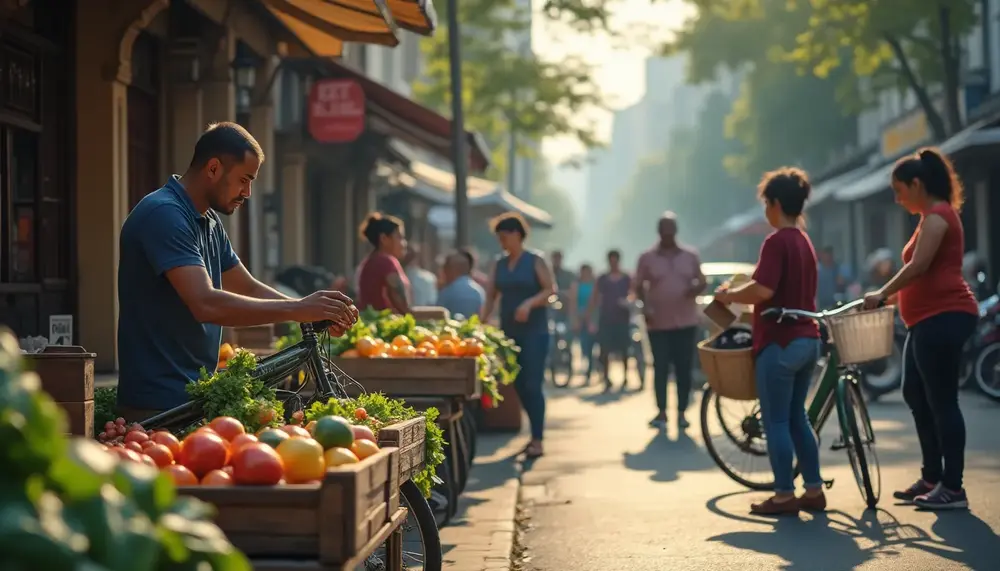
x: 668, y: 277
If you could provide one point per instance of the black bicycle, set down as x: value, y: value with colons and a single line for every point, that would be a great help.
x: 308, y: 356
x: 560, y: 345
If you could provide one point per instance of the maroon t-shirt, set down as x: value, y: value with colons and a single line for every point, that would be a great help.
x: 373, y: 274
x: 787, y: 266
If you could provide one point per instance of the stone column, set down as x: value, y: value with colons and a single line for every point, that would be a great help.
x: 262, y: 128
x: 293, y: 205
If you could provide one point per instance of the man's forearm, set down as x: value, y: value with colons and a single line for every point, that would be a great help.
x: 234, y: 310
x: 264, y: 291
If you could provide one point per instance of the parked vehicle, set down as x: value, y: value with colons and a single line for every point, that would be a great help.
x: 986, y: 343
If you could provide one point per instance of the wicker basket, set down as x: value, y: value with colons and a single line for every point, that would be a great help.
x: 863, y: 336
x: 730, y: 372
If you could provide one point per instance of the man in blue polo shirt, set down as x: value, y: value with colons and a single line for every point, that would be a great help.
x: 180, y: 282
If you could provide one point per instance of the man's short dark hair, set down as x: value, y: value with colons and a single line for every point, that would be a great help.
x: 614, y: 254
x: 227, y: 142
x: 467, y: 254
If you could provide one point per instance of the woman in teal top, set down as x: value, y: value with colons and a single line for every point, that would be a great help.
x: 580, y: 294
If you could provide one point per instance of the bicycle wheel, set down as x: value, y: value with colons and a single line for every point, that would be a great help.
x: 856, y: 429
x: 421, y: 540
x: 745, y: 433
x: 986, y: 362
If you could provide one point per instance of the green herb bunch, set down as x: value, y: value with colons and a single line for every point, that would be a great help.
x: 383, y: 411
x: 234, y: 392
x: 70, y: 505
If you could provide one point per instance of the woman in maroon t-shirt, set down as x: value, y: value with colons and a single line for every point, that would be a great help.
x: 786, y: 352
x: 941, y: 313
x: 381, y: 281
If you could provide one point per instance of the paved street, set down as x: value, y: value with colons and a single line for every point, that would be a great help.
x: 611, y: 494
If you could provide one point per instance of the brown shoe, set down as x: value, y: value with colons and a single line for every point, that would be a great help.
x: 772, y: 507
x: 813, y: 503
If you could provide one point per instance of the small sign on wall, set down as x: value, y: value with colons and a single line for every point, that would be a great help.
x: 60, y: 330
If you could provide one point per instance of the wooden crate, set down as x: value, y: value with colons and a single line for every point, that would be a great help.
x: 320, y: 526
x: 67, y: 372
x: 261, y: 336
x: 410, y: 437
x: 80, y: 416
x: 445, y: 376
x: 507, y: 416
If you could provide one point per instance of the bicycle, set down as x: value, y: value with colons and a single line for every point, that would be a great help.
x: 307, y: 356
x: 838, y: 386
x: 560, y: 358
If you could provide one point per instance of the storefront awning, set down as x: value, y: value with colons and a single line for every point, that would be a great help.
x: 395, y: 115
x: 438, y: 186
x: 324, y: 25
x: 749, y: 223
x: 879, y: 179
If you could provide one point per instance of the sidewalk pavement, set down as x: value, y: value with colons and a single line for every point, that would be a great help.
x: 481, y: 535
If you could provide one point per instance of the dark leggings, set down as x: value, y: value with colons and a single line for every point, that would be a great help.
x: 931, y: 367
x: 672, y: 348
x: 528, y: 384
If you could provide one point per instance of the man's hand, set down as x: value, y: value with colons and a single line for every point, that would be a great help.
x: 327, y: 305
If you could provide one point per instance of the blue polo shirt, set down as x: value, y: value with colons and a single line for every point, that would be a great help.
x: 161, y: 346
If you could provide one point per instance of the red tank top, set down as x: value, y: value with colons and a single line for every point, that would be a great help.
x: 942, y: 288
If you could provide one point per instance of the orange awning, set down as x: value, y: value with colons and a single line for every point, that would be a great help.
x: 417, y: 16
x: 324, y: 25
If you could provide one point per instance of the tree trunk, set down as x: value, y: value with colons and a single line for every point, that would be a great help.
x: 934, y: 119
x: 950, y: 63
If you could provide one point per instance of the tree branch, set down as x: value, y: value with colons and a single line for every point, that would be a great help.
x: 933, y: 116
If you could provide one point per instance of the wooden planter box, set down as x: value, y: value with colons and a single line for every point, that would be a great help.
x: 335, y: 524
x: 507, y: 416
x: 445, y: 376
x: 67, y: 374
x: 410, y: 437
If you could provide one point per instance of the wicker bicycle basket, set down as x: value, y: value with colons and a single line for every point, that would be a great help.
x: 730, y: 372
x: 863, y: 336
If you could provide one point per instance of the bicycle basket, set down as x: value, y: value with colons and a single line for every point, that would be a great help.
x: 863, y: 336
x: 730, y: 372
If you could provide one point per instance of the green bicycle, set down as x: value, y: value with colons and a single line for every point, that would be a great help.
x: 838, y: 385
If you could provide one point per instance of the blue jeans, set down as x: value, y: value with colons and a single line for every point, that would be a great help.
x: 528, y: 384
x: 783, y: 378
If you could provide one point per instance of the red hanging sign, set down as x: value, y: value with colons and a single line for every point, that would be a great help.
x: 336, y: 110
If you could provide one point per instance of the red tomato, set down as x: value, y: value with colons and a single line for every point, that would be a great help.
x: 240, y: 441
x: 168, y: 440
x: 181, y: 475
x: 257, y: 464
x: 294, y: 430
x: 160, y: 454
x: 126, y: 454
x: 134, y: 446
x: 204, y: 451
x: 217, y: 478
x: 136, y: 436
x: 227, y: 427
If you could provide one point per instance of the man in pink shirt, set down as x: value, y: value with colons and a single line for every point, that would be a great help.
x: 668, y: 279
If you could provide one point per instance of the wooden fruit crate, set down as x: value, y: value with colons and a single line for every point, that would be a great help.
x: 443, y: 376
x: 67, y: 374
x: 410, y: 437
x: 335, y: 524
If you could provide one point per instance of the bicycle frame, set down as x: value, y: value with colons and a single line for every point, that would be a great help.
x: 822, y: 402
x: 272, y: 370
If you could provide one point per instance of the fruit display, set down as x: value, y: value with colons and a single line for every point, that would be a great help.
x: 224, y: 453
x: 68, y: 504
x: 226, y: 352
x: 383, y: 335
x: 373, y: 411
x: 234, y: 392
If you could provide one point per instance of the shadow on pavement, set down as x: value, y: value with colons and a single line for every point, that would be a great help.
x: 666, y: 458
x: 836, y: 541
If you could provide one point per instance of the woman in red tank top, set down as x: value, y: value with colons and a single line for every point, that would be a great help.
x: 941, y: 313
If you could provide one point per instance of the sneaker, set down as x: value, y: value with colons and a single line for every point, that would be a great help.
x: 942, y: 498
x: 682, y: 423
x: 918, y: 488
x: 658, y: 422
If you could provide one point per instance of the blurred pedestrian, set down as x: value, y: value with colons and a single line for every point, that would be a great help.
x: 461, y: 295
x: 381, y: 281
x: 580, y: 317
x: 610, y: 319
x: 423, y: 283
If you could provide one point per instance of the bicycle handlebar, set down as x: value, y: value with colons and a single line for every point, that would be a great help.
x: 782, y: 312
x: 316, y: 326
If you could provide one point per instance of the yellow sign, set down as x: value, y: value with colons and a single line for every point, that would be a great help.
x: 906, y: 134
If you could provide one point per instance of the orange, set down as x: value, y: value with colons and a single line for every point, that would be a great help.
x: 428, y: 345
x: 350, y: 354
x: 473, y: 347
x: 448, y: 336
x: 227, y: 427
x: 226, y: 352
x: 381, y: 356
x: 303, y: 460
x: 295, y: 431
x: 421, y: 352
x: 366, y: 346
x: 447, y: 348
x: 403, y: 351
x: 401, y: 341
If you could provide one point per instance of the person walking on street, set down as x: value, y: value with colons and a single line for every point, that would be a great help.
x: 423, y: 283
x: 381, y: 281
x: 941, y: 312
x: 785, y: 352
x: 667, y: 281
x: 612, y: 322
x: 523, y: 282
x: 580, y: 295
x: 833, y: 279
x: 180, y: 282
x: 461, y: 295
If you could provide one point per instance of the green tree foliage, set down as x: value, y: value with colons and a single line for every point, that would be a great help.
x: 558, y: 204
x: 505, y: 88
